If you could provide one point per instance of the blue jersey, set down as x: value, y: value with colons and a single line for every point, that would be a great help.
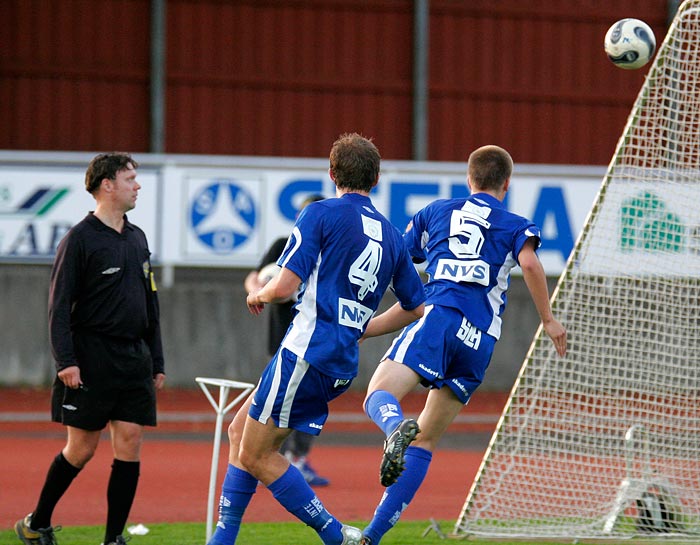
x: 346, y: 254
x: 471, y: 246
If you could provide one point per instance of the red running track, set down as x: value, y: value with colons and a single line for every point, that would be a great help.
x: 175, y: 472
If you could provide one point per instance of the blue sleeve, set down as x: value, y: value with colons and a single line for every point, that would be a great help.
x: 529, y: 230
x: 413, y: 238
x: 304, y: 244
x: 407, y: 284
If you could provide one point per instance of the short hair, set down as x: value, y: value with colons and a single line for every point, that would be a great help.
x: 489, y: 167
x: 355, y: 162
x: 106, y: 165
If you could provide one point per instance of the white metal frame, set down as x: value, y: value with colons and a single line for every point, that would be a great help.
x: 221, y: 407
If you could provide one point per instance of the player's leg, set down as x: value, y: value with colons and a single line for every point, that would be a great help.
x: 256, y: 432
x: 235, y: 430
x: 292, y: 395
x: 389, y: 384
x: 296, y: 449
x: 79, y: 449
x: 288, y: 447
x: 301, y: 443
x: 238, y: 487
x: 259, y: 454
x: 259, y: 450
x: 403, y: 367
x: 441, y: 408
x: 454, y: 368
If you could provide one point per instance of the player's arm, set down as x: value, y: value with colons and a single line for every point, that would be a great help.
x: 536, y: 282
x: 414, y: 243
x: 252, y: 281
x: 392, y: 319
x: 408, y: 288
x: 278, y: 290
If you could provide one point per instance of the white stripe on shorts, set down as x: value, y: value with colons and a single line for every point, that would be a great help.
x: 272, y: 394
x: 294, y: 381
x: 406, y: 342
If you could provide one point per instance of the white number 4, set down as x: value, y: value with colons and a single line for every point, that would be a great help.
x: 363, y: 271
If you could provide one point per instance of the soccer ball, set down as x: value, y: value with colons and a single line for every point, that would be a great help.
x: 630, y: 43
x: 268, y: 272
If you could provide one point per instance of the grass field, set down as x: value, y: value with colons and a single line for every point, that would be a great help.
x: 282, y: 533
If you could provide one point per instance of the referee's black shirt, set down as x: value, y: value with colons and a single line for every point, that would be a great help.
x: 101, y: 283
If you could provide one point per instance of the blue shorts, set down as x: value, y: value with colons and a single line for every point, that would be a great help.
x: 445, y: 350
x: 294, y: 394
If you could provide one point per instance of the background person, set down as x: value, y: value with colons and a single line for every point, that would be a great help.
x: 470, y: 245
x: 105, y: 338
x: 297, y: 445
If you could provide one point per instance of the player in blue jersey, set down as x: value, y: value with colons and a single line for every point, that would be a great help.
x: 470, y: 245
x: 343, y: 254
x: 297, y: 445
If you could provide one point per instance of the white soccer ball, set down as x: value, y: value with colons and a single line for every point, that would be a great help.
x: 630, y: 43
x: 268, y: 272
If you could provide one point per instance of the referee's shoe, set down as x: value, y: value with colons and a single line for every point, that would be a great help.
x: 41, y: 536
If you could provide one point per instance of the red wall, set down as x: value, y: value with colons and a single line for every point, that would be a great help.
x: 284, y: 78
x: 74, y: 75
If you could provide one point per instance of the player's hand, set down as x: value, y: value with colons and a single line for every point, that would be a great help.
x: 70, y: 377
x: 557, y: 333
x: 254, y: 305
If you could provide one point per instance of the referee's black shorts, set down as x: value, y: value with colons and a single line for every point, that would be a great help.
x: 117, y: 377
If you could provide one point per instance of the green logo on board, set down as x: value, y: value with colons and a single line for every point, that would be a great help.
x: 647, y: 224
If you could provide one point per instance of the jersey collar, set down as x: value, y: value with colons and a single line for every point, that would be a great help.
x: 490, y: 200
x: 355, y: 196
x: 95, y: 222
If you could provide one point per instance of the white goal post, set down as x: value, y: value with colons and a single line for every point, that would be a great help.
x: 605, y: 442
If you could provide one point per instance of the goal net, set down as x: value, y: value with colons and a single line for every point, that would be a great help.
x: 605, y: 442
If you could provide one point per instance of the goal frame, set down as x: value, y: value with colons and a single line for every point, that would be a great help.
x: 638, y: 478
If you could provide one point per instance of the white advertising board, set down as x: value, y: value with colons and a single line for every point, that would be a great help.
x: 225, y: 211
x: 39, y: 204
x: 645, y: 229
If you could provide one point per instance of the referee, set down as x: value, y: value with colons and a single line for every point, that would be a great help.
x: 105, y: 338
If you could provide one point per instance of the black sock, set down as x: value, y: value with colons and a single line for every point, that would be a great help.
x: 120, y: 495
x: 58, y: 479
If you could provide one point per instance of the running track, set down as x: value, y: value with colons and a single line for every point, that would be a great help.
x: 176, y: 462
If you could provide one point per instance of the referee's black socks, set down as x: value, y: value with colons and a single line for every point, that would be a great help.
x: 58, y: 479
x: 120, y: 495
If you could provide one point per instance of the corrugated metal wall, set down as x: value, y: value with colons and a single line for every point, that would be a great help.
x: 74, y: 74
x: 264, y: 77
x: 531, y: 76
x: 284, y: 78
